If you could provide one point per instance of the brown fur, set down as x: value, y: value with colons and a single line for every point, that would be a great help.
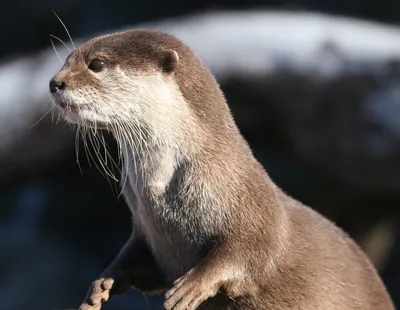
x: 209, y: 224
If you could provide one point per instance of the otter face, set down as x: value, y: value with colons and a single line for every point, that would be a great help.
x: 124, y: 79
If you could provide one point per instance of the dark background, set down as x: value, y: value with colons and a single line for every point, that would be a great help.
x: 26, y: 24
x: 60, y: 227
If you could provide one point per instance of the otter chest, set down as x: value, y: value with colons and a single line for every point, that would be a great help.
x: 173, y: 238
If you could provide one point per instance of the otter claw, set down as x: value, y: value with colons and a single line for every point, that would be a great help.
x: 188, y: 293
x: 99, y: 292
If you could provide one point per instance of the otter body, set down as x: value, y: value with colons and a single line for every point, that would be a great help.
x: 209, y: 225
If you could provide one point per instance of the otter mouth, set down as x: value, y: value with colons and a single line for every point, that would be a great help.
x: 68, y: 107
x: 70, y: 112
x: 64, y: 105
x: 77, y: 113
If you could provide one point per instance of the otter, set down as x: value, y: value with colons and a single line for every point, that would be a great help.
x: 209, y: 225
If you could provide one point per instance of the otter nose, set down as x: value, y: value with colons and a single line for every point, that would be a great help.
x: 56, y: 86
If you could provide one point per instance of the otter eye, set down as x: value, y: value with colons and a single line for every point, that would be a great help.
x: 96, y: 65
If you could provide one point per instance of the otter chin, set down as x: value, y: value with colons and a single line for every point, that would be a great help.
x: 208, y: 223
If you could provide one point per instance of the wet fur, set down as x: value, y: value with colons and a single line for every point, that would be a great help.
x: 202, y: 206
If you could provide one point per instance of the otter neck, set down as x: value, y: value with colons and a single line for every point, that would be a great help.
x: 149, y: 172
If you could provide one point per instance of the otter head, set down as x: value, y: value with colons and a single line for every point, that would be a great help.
x: 125, y: 80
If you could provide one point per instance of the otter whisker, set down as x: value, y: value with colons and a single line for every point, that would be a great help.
x: 95, y: 146
x: 107, y: 155
x: 94, y: 129
x: 61, y: 41
x: 95, y: 143
x: 30, y: 127
x: 103, y: 142
x: 53, y: 110
x: 118, y: 137
x: 146, y: 132
x: 66, y: 30
x: 55, y: 50
x: 130, y: 141
x: 77, y: 148
x: 126, y: 143
x: 89, y: 135
x: 142, y: 155
x: 86, y: 147
x: 109, y: 170
x: 58, y: 118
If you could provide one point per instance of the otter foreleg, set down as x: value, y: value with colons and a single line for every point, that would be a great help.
x: 217, y: 271
x: 134, y: 266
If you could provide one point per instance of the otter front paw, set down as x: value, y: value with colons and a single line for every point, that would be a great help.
x: 99, y: 292
x: 189, y: 292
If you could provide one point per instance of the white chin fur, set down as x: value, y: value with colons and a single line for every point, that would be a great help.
x: 86, y: 118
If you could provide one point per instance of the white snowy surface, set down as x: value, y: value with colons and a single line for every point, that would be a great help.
x: 261, y: 41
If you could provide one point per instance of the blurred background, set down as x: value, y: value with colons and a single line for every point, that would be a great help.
x: 313, y: 85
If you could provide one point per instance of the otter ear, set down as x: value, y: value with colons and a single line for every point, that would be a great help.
x: 169, y: 61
